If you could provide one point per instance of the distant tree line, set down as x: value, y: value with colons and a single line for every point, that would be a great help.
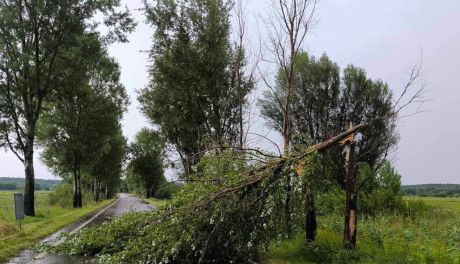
x: 432, y: 190
x: 18, y: 184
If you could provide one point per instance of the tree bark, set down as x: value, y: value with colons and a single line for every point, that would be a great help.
x: 29, y: 187
x: 286, y: 143
x: 96, y: 190
x: 77, y: 198
x: 349, y: 234
x: 287, y: 206
x: 310, y: 213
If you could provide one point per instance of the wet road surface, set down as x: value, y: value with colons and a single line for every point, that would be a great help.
x: 125, y: 203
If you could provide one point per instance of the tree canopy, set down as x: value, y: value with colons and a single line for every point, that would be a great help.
x: 324, y: 102
x: 193, y: 95
x: 36, y: 36
x: 148, y: 161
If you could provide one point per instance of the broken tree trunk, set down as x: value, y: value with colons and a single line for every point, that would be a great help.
x: 349, y: 233
x: 256, y: 175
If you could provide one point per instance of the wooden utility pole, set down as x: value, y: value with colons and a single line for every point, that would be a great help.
x: 349, y: 232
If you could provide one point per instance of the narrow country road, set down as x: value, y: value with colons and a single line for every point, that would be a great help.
x: 125, y: 203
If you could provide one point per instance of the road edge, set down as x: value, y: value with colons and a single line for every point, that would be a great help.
x: 62, y: 240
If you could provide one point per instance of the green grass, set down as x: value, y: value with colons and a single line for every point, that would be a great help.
x: 48, y: 220
x: 449, y: 203
x: 156, y: 202
x: 429, y: 236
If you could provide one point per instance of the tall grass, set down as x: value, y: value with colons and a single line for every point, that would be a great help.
x: 423, y: 233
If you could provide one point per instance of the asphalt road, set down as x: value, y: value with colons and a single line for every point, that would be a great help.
x: 125, y: 203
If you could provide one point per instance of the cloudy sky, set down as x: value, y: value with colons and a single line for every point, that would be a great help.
x: 387, y: 38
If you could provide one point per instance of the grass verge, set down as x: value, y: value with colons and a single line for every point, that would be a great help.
x: 156, y: 202
x: 48, y: 220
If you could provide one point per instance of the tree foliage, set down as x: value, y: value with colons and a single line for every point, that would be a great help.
x: 383, y: 192
x: 83, y: 116
x: 147, y: 161
x: 230, y: 211
x: 36, y: 36
x: 324, y: 103
x: 193, y: 96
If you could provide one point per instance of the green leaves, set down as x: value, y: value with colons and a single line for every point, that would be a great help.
x: 147, y: 161
x: 198, y: 225
x: 193, y: 95
x: 324, y: 102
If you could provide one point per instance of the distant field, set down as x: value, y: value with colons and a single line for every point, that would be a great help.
x: 49, y: 219
x: 450, y: 203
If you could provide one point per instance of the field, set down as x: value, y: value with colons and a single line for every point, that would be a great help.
x: 49, y: 219
x: 447, y: 203
x: 429, y: 234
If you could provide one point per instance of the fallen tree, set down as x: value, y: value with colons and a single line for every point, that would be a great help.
x: 229, y: 212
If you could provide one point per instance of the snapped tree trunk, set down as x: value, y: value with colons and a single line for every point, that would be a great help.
x: 349, y: 234
x: 29, y: 186
x: 310, y: 213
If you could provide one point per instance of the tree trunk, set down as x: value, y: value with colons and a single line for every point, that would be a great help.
x: 29, y: 186
x: 96, y: 191
x: 77, y: 199
x: 286, y: 143
x: 310, y: 213
x: 287, y: 206
x: 148, y: 192
x: 349, y: 234
x: 93, y: 189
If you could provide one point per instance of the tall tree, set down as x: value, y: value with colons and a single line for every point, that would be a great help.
x: 288, y: 25
x: 79, y: 123
x: 323, y: 104
x: 147, y: 160
x: 196, y: 88
x: 106, y: 170
x: 33, y: 35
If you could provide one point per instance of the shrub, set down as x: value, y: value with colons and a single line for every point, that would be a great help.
x: 331, y: 202
x: 168, y: 191
x: 384, y: 192
x: 63, y: 196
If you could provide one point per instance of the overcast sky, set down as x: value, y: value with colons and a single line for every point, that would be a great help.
x: 384, y: 37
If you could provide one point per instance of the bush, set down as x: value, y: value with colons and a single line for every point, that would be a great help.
x: 331, y: 202
x: 384, y: 192
x: 63, y: 196
x: 168, y: 191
